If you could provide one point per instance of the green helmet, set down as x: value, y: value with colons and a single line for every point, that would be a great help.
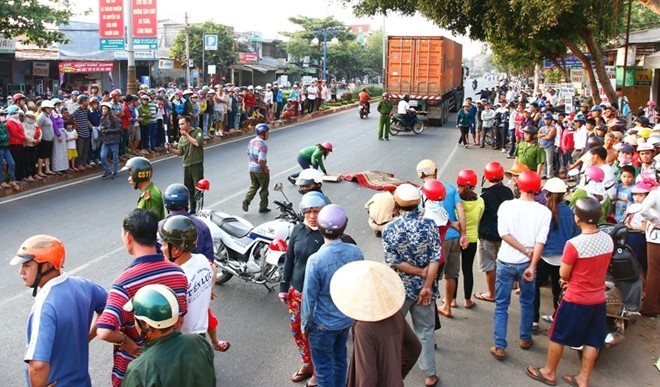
x: 156, y: 305
x: 139, y: 168
x: 179, y: 231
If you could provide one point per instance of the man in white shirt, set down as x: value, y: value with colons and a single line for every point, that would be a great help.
x: 312, y: 94
x: 268, y: 101
x: 403, y: 107
x: 580, y: 136
x: 487, y: 120
x: 220, y: 109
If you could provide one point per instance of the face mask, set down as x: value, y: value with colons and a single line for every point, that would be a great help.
x: 624, y: 159
x: 3, y: 118
x: 310, y: 227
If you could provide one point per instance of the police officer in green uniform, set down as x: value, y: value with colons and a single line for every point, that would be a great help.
x: 169, y: 358
x: 140, y: 172
x: 385, y: 108
x: 191, y: 148
x: 529, y: 152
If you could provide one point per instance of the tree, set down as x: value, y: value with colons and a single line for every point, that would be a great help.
x: 223, y: 57
x: 35, y: 21
x: 373, y: 53
x: 653, y: 5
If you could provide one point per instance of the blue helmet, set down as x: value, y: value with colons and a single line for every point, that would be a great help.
x: 176, y: 197
x: 312, y: 200
x: 13, y: 109
x: 261, y: 128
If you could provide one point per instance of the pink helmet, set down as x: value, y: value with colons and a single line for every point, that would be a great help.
x: 594, y: 173
x: 327, y: 146
x: 651, y: 103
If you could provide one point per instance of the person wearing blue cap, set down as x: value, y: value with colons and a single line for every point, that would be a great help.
x: 547, y: 136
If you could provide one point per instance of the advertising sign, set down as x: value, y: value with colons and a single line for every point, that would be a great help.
x: 7, y: 46
x: 145, y: 25
x: 84, y: 67
x: 166, y: 64
x: 248, y: 57
x: 40, y: 69
x: 111, y: 24
x: 577, y: 75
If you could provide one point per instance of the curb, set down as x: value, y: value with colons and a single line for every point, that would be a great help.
x: 98, y: 170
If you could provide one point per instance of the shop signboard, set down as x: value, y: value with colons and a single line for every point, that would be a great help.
x: 249, y: 57
x: 165, y: 64
x: 111, y: 24
x: 145, y: 25
x: 40, y: 69
x: 7, y: 46
x: 84, y: 67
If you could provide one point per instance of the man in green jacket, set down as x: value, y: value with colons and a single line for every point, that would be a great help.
x: 385, y: 108
x: 529, y: 152
x: 191, y: 148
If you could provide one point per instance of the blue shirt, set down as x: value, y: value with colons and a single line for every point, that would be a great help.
x: 257, y: 150
x: 413, y: 240
x: 58, y: 328
x: 620, y: 206
x: 567, y: 229
x: 452, y: 198
x: 317, y: 305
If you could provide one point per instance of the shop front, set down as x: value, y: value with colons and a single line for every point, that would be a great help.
x: 80, y: 75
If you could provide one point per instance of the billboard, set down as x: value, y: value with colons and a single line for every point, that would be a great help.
x: 111, y: 24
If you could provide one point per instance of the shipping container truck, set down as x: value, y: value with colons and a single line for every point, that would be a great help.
x: 430, y: 70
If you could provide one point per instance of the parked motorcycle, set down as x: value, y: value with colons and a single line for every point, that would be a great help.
x: 241, y: 249
x: 364, y: 110
x: 416, y: 124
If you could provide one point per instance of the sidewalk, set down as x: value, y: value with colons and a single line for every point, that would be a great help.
x: 98, y: 170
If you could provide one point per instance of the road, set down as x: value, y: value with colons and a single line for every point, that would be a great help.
x: 86, y: 214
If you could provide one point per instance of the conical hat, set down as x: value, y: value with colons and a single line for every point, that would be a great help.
x: 367, y: 291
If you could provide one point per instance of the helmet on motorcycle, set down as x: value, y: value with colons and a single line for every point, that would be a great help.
x: 203, y: 185
x: 426, y: 168
x: 467, y: 177
x: 327, y: 146
x: 41, y: 249
x: 588, y: 210
x: 139, y: 169
x: 179, y: 231
x: 434, y: 190
x: 529, y: 181
x: 332, y: 220
x: 406, y: 97
x: 176, y: 197
x: 594, y: 173
x: 406, y: 195
x: 494, y: 171
x: 594, y: 141
x: 555, y: 185
x: 311, y: 200
x: 156, y: 305
x: 261, y: 129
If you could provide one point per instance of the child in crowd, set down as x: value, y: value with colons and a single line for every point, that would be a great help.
x: 71, y: 137
x: 637, y: 225
x: 624, y: 192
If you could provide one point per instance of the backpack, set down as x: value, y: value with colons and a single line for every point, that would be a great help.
x: 179, y: 108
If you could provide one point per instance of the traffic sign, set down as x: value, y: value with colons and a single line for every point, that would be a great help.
x: 111, y: 44
x: 210, y: 42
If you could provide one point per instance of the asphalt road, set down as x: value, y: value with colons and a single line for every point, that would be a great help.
x: 86, y: 214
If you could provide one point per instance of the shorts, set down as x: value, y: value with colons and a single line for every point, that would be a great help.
x: 45, y: 149
x: 488, y: 254
x: 220, y: 117
x: 72, y: 153
x: 134, y: 133
x: 577, y: 325
x: 451, y: 249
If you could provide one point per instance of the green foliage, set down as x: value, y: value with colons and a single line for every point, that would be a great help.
x: 553, y: 75
x: 36, y: 21
x: 223, y: 57
x: 298, y: 48
x: 346, y: 97
x: 375, y: 91
x: 640, y: 18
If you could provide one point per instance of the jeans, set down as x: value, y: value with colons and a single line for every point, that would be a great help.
x: 549, y: 160
x: 144, y: 136
x: 329, y: 355
x: 506, y: 274
x: 423, y: 323
x: 114, y: 148
x: 512, y: 138
x: 483, y: 135
x: 153, y: 129
x: 304, y: 164
x: 205, y: 124
x: 504, y: 130
x: 5, y: 155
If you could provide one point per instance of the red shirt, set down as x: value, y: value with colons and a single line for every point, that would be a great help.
x: 16, y: 132
x: 249, y: 100
x: 590, y: 256
x: 364, y: 96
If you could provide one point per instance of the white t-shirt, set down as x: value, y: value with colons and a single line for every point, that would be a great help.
x: 268, y: 97
x: 402, y: 107
x: 580, y: 137
x: 527, y: 221
x: 200, y: 283
x: 610, y: 181
x: 312, y: 91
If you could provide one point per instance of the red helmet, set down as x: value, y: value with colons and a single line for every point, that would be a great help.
x: 467, y: 177
x: 327, y: 146
x: 594, y: 173
x: 18, y: 96
x: 529, y: 181
x: 203, y: 185
x: 434, y: 190
x: 494, y: 171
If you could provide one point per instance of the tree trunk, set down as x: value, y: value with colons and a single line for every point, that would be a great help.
x: 653, y: 5
x: 586, y: 65
x: 561, y: 67
x: 597, y: 56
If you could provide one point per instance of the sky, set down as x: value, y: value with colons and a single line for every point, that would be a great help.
x: 271, y: 17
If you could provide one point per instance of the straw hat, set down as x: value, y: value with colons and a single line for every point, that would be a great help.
x: 367, y: 291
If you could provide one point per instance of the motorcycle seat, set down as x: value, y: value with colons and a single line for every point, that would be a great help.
x: 229, y: 224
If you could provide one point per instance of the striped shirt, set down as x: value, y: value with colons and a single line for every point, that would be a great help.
x: 145, y: 270
x: 153, y: 109
x: 257, y: 151
x: 80, y: 116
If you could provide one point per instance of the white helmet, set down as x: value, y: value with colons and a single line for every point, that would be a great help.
x: 250, y: 87
x: 106, y: 104
x: 406, y: 195
x: 47, y: 104
x: 309, y: 176
x: 555, y: 185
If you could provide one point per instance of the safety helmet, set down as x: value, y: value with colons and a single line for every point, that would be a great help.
x: 651, y: 103
x: 151, y: 91
x: 203, y: 185
x: 529, y: 181
x: 55, y: 101
x: 309, y: 176
x: 261, y: 128
x: 594, y: 141
x: 139, y: 168
x: 94, y: 85
x: 75, y: 92
x: 425, y: 168
x: 332, y: 220
x: 143, y: 87
x: 311, y: 201
x: 46, y: 104
x: 13, y: 109
x: 640, y: 188
x: 531, y: 129
x: 406, y: 97
x: 494, y: 171
x: 320, y: 195
x: 179, y: 231
x: 434, y: 190
x: 594, y: 173
x: 467, y: 177
x: 555, y: 185
x: 156, y: 305
x: 106, y: 104
x: 327, y: 146
x: 406, y: 195
x: 644, y: 133
x: 41, y: 249
x: 18, y: 96
x: 176, y: 197
x: 588, y: 210
x: 187, y: 92
x: 386, y: 95
x: 115, y: 92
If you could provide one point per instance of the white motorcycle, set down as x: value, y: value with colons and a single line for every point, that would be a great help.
x: 241, y: 249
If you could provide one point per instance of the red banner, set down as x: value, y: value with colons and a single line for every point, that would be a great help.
x: 248, y: 57
x: 111, y: 19
x: 145, y: 23
x: 85, y: 67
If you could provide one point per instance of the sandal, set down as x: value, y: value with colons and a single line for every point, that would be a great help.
x: 570, y: 379
x: 221, y: 345
x: 300, y: 376
x: 538, y: 376
x: 309, y: 384
x: 480, y: 296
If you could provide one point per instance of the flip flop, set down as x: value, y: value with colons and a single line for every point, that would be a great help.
x: 480, y: 296
x: 222, y: 346
x: 570, y: 379
x: 538, y: 376
x: 299, y: 377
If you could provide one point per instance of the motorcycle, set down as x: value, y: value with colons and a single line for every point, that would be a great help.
x: 415, y: 125
x: 474, y: 85
x: 364, y: 110
x: 242, y: 249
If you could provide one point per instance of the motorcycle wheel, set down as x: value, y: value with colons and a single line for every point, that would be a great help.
x: 418, y: 127
x: 394, y: 128
x: 223, y: 276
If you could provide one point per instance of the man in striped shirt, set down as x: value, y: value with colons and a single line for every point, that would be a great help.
x: 153, y: 121
x: 81, y: 123
x: 118, y: 326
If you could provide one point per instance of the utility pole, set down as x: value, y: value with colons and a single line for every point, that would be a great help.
x: 130, y: 53
x: 187, y: 53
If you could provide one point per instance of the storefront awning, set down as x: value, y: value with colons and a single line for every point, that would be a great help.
x: 651, y: 61
x: 249, y: 67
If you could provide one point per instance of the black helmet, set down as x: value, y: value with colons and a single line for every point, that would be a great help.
x: 531, y: 129
x: 139, y: 168
x: 406, y: 97
x: 176, y: 197
x: 588, y: 210
x: 594, y: 141
x: 179, y: 231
